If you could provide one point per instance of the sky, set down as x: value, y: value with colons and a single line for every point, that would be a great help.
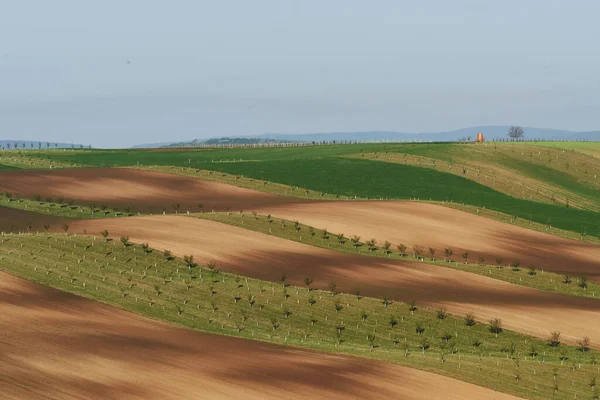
x: 117, y: 73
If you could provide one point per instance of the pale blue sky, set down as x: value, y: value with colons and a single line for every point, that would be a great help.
x: 116, y: 73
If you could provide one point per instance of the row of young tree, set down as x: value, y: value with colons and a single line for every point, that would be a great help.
x: 495, y: 324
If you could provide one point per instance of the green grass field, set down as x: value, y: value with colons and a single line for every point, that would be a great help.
x: 381, y: 180
x: 153, y: 284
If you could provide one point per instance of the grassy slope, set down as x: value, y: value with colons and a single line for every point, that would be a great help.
x: 167, y: 290
x: 590, y: 148
x: 523, y: 275
x: 570, y: 174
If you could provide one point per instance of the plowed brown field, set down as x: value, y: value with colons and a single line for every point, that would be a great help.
x: 144, y: 191
x: 411, y: 223
x: 59, y: 346
x: 265, y: 257
x: 430, y: 225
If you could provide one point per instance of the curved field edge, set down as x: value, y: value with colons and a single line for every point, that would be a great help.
x: 303, y: 193
x: 200, y: 297
x: 379, y: 180
x: 510, y: 270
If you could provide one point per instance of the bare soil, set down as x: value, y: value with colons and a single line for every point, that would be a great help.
x: 56, y: 345
x: 430, y: 225
x: 143, y: 191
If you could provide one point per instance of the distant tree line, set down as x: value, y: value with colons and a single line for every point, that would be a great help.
x: 37, y: 145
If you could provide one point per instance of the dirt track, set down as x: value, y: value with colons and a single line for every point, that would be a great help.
x: 411, y: 223
x: 56, y: 345
x: 266, y: 257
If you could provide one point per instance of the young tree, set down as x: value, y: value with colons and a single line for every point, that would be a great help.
x: 465, y: 256
x: 274, y: 323
x: 515, y: 265
x: 419, y: 328
x: 584, y: 344
x: 66, y: 228
x: 355, y: 241
x: 363, y: 316
x: 448, y: 253
x: 371, y: 244
x: 371, y: 339
x: 124, y: 240
x: 386, y: 301
x: 554, y: 339
x: 332, y: 287
x: 308, y: 281
x: 441, y: 314
x: 470, y: 320
x: 401, y: 249
x: 424, y: 344
x: 496, y: 326
x: 412, y: 306
x: 417, y: 251
x: 189, y: 261
x: 104, y: 234
x: 432, y: 253
x: 341, y: 238
x: 386, y: 247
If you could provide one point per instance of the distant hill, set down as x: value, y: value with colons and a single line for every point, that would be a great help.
x: 225, y: 141
x: 490, y: 133
x: 29, y: 144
